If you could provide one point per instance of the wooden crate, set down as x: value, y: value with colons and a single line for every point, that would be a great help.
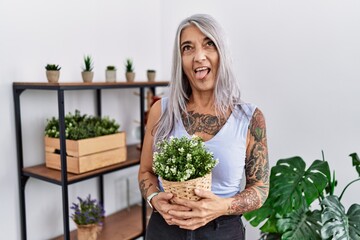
x: 87, y: 154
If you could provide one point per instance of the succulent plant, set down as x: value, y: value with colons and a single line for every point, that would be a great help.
x: 129, y: 65
x: 111, y: 68
x: 52, y: 67
x: 88, y: 64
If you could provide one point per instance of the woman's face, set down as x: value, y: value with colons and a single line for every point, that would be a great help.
x: 200, y: 59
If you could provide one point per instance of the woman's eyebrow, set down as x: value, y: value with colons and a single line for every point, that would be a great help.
x: 184, y: 43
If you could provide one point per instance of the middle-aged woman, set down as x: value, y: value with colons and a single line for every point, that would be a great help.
x: 204, y: 99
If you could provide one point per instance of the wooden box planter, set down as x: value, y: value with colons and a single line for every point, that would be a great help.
x: 87, y: 154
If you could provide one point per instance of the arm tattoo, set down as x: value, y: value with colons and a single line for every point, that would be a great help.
x: 143, y: 188
x: 206, y: 123
x: 257, y: 169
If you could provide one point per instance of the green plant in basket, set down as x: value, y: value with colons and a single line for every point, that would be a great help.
x: 78, y: 126
x: 182, y: 159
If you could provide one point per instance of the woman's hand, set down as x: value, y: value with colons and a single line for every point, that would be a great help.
x: 201, y: 212
x: 163, y: 204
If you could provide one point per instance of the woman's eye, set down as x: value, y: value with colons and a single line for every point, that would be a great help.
x: 186, y: 48
x: 210, y: 43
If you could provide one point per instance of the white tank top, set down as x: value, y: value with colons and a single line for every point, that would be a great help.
x: 228, y: 146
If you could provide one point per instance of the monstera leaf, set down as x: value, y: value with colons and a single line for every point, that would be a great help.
x: 336, y: 223
x: 290, y: 188
x: 291, y: 185
x: 300, y: 224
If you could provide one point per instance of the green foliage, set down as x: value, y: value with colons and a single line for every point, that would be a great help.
x: 287, y: 213
x: 337, y: 223
x: 88, y: 64
x: 87, y: 211
x: 81, y: 126
x: 151, y: 71
x: 111, y: 68
x: 181, y: 159
x: 52, y: 67
x: 129, y: 65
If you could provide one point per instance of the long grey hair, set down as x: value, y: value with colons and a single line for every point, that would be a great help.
x: 227, y: 88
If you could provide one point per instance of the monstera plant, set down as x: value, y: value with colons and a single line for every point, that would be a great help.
x: 290, y: 211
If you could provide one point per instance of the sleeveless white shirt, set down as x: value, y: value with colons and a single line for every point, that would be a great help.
x: 228, y: 146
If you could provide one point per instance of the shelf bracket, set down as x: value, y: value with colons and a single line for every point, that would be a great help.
x: 24, y: 180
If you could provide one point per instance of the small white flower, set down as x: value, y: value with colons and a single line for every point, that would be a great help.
x: 181, y: 150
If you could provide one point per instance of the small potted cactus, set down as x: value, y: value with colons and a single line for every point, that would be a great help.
x: 52, y: 73
x: 129, y: 70
x: 110, y: 73
x: 87, y: 73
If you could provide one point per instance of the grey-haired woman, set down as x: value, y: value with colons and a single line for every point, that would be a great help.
x: 204, y: 99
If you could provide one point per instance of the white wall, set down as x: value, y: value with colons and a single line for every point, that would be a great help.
x: 297, y: 60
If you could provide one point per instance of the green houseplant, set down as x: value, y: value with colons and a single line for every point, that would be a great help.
x: 52, y: 72
x: 129, y: 70
x: 88, y: 215
x: 80, y: 126
x: 87, y: 73
x: 290, y: 211
x: 91, y: 143
x: 110, y: 73
x: 183, y: 163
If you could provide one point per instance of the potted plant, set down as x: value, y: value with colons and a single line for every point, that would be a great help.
x: 151, y: 75
x: 52, y: 73
x: 87, y: 73
x: 88, y: 215
x: 189, y: 168
x: 290, y: 211
x: 91, y: 143
x: 110, y: 73
x: 129, y: 70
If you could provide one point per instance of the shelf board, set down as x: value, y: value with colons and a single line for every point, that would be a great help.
x: 83, y: 85
x: 54, y: 176
x: 125, y: 224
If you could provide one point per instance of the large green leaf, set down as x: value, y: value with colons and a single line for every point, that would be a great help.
x: 291, y: 185
x: 300, y: 224
x: 336, y: 223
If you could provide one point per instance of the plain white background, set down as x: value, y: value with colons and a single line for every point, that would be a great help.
x: 299, y: 61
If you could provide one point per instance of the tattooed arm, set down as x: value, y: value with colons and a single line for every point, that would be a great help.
x: 148, y: 181
x: 256, y: 169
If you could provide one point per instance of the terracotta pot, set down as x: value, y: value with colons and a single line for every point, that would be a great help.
x: 87, y: 76
x: 52, y: 76
x: 88, y: 232
x: 130, y: 76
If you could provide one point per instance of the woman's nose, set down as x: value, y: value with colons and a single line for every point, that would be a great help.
x: 199, y: 55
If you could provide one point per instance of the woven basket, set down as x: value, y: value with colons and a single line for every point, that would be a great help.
x: 186, y: 189
x: 88, y: 232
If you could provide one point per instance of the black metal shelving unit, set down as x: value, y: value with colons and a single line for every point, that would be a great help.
x: 62, y: 178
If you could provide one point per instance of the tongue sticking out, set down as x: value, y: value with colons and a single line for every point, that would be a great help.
x: 201, y: 74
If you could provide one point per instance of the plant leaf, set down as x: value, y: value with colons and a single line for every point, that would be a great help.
x: 356, y: 162
x: 292, y: 185
x: 336, y: 223
x: 300, y: 224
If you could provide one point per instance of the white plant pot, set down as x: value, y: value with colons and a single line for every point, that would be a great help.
x: 52, y: 76
x: 110, y: 75
x: 87, y: 76
x: 151, y: 76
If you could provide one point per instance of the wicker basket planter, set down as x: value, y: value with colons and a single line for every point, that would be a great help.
x: 88, y: 232
x: 186, y: 189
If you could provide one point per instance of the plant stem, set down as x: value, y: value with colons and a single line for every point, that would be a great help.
x: 347, y: 187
